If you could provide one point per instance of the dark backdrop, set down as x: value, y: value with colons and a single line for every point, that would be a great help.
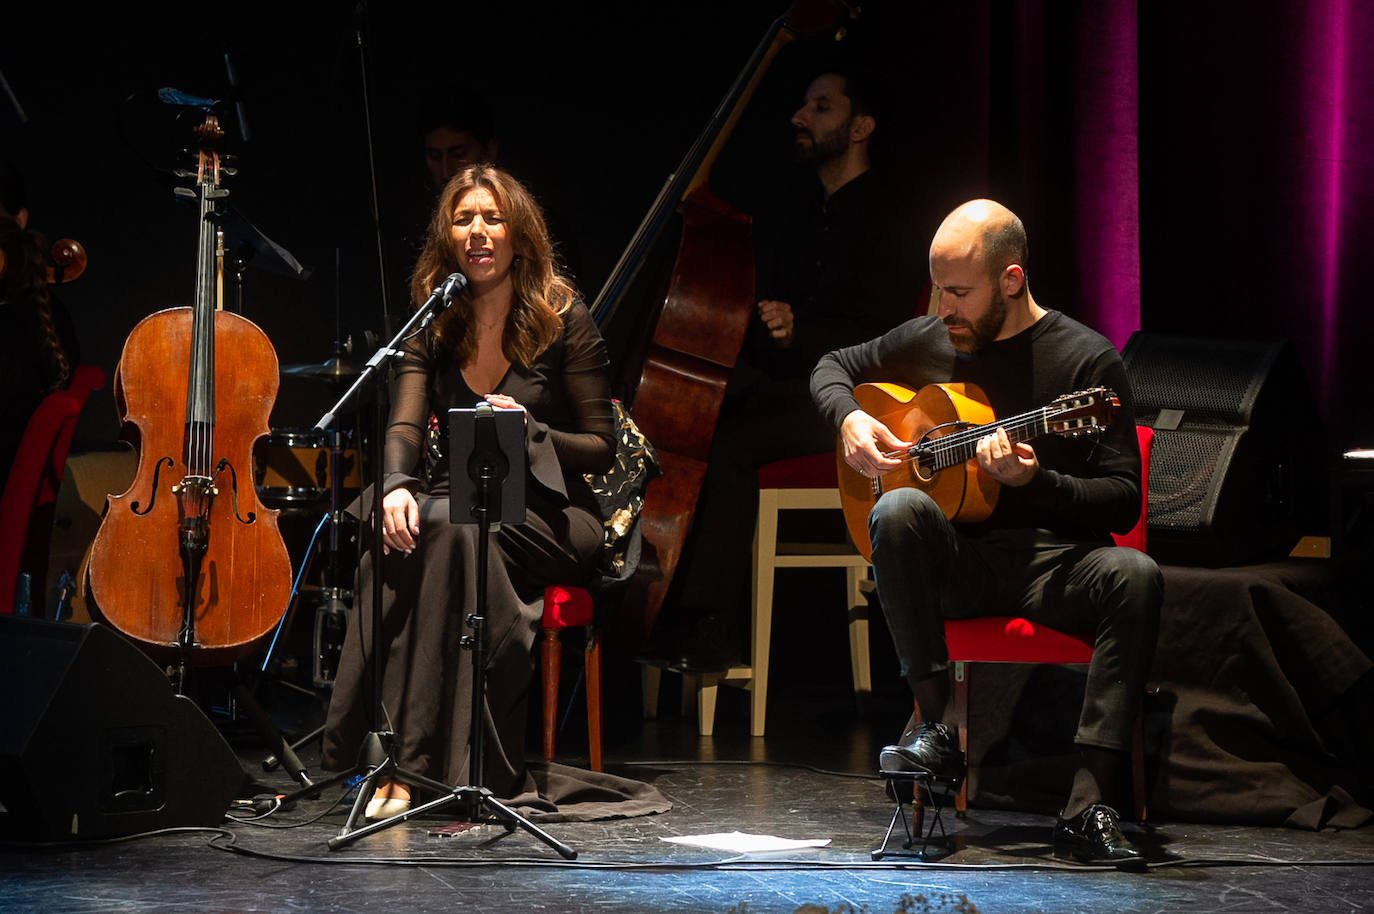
x: 1185, y: 167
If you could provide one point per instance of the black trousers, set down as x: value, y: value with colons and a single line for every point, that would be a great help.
x: 927, y: 571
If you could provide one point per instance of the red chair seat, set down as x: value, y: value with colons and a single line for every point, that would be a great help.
x: 1002, y: 639
x: 814, y: 471
x: 567, y: 607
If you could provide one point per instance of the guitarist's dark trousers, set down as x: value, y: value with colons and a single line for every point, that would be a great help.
x: 927, y: 570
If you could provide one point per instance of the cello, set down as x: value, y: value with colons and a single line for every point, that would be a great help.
x: 187, y: 562
x: 690, y: 342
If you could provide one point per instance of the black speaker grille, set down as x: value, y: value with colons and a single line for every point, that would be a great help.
x: 1218, y: 377
x: 1183, y: 475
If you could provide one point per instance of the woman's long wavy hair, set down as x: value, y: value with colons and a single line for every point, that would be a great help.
x: 542, y: 293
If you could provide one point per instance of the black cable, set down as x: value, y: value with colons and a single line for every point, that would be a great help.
x: 680, y: 763
x: 227, y: 841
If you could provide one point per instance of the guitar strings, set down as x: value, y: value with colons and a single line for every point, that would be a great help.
x: 964, y: 444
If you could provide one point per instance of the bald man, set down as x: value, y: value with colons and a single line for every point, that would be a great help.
x: 1045, y: 552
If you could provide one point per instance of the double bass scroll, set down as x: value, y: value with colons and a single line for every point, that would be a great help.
x: 694, y: 336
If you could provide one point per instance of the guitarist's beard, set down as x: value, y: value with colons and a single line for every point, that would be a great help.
x: 984, y: 329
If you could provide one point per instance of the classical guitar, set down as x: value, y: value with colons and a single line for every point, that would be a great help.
x: 945, y: 423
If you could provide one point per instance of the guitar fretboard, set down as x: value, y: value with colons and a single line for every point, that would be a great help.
x: 957, y: 447
x: 960, y: 446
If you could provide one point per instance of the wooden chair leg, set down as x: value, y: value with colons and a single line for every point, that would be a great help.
x: 1139, y: 799
x: 762, y: 638
x: 593, y: 669
x: 552, y: 667
x: 765, y: 569
x: 650, y: 678
x: 959, y: 709
x: 706, y: 703
x: 858, y: 633
x: 691, y: 687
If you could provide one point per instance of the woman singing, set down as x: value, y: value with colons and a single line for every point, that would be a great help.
x: 518, y: 338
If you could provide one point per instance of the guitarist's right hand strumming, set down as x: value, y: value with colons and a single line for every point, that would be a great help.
x: 868, y: 445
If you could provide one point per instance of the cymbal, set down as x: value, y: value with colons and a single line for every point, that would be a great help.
x: 333, y: 370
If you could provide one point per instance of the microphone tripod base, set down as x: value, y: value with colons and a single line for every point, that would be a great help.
x: 479, y: 805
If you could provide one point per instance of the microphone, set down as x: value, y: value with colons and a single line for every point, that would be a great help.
x: 455, y: 283
x: 442, y: 297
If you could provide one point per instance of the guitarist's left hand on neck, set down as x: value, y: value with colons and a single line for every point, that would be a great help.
x: 1010, y: 464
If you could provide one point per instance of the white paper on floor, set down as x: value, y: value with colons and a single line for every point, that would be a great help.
x: 742, y: 843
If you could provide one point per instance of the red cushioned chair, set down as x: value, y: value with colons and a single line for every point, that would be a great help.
x: 571, y: 607
x: 1004, y: 639
x: 31, y: 487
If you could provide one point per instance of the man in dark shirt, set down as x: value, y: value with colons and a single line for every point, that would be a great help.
x: 828, y: 273
x: 1045, y: 551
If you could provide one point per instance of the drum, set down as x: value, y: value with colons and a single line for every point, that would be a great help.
x: 291, y: 468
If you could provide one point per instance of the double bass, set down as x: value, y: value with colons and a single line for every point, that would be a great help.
x: 188, y: 563
x: 694, y: 336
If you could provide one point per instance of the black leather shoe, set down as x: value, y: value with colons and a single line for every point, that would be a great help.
x: 927, y: 748
x: 713, y: 644
x: 1094, y: 836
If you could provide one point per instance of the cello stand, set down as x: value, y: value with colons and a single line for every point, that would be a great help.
x: 486, y: 456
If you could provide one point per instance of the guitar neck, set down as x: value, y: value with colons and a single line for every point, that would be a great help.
x: 962, y: 445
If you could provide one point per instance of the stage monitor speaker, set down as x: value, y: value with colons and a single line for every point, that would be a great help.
x: 94, y: 743
x: 1238, y: 472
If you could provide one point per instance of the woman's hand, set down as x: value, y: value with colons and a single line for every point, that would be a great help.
x: 400, y: 521
x: 501, y: 401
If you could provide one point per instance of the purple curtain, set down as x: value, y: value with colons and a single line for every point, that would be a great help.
x: 1106, y: 161
x: 1257, y: 165
x: 1190, y: 168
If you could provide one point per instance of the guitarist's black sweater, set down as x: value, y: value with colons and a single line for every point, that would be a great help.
x: 1086, y: 487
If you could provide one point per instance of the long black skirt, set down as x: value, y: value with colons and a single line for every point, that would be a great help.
x: 427, y: 676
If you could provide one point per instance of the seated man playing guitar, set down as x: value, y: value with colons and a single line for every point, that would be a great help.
x: 1044, y: 549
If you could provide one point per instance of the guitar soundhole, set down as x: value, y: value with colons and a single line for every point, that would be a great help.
x: 923, y: 460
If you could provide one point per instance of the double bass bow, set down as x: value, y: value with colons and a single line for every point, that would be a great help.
x: 187, y: 562
x: 692, y: 339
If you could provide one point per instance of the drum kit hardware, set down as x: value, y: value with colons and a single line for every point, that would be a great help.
x: 313, y: 471
x: 337, y: 370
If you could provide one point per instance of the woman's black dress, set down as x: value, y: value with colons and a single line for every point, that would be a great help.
x: 426, y: 689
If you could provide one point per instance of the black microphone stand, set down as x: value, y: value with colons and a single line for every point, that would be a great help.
x: 376, y: 759
x: 487, y: 466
